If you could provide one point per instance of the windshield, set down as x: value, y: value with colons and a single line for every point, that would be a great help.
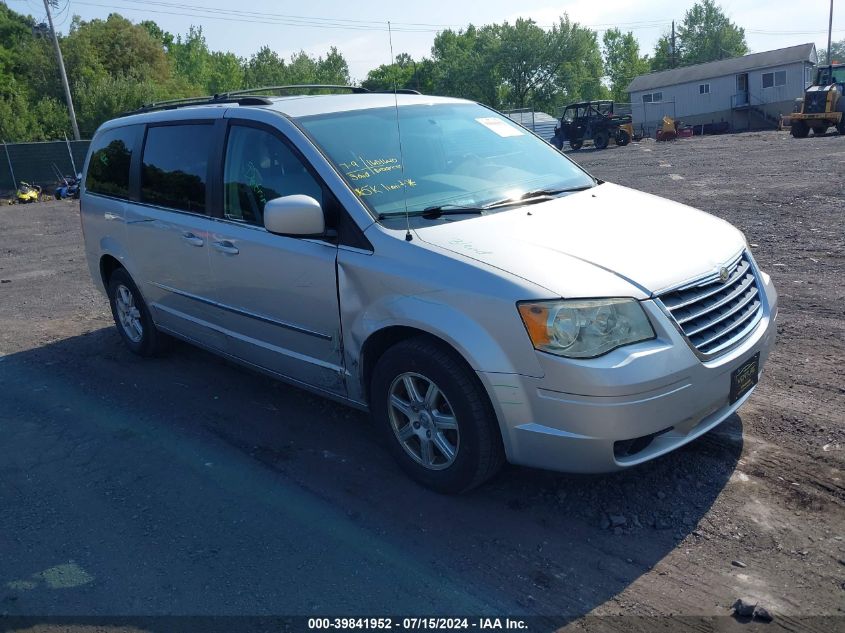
x: 824, y: 75
x: 461, y: 155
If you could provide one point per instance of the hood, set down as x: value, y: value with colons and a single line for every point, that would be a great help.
x: 605, y: 241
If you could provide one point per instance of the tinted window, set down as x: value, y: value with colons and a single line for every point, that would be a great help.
x: 258, y: 168
x: 175, y: 166
x: 108, y: 169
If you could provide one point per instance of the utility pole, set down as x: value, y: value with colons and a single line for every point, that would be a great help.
x: 62, y: 70
x: 829, y: 33
x: 673, y: 42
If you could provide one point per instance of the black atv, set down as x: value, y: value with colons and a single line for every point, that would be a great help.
x: 595, y: 121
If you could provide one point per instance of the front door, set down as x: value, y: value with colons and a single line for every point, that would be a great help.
x: 742, y: 89
x: 279, y: 293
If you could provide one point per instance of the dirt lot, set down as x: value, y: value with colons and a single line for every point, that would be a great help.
x: 185, y: 485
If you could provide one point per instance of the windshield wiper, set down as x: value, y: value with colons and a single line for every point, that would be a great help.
x: 554, y: 192
x: 537, y: 195
x: 529, y: 197
x: 434, y: 212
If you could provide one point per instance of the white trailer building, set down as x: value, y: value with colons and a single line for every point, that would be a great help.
x: 748, y: 92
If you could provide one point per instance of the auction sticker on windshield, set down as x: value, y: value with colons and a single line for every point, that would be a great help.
x: 499, y: 126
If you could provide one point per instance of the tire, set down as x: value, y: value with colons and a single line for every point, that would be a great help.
x: 840, y: 127
x: 622, y: 138
x: 799, y: 129
x: 556, y: 142
x: 576, y: 145
x: 132, y: 317
x: 407, y: 411
x: 601, y: 139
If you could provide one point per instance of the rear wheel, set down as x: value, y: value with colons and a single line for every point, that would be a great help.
x: 601, y: 139
x: 437, y: 419
x: 132, y: 317
x: 622, y: 138
x: 799, y: 129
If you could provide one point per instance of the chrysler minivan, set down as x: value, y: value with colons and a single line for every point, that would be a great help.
x: 430, y: 261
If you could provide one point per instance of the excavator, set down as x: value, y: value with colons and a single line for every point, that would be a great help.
x: 823, y: 105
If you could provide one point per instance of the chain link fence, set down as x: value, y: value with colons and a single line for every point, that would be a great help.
x: 39, y: 163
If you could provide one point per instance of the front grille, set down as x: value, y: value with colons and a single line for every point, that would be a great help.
x: 815, y: 102
x: 716, y: 315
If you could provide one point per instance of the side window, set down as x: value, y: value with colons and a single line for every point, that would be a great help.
x: 258, y: 168
x: 175, y: 166
x: 108, y: 169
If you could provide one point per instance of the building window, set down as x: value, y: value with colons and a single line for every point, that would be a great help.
x: 704, y: 89
x: 652, y: 97
x: 776, y: 78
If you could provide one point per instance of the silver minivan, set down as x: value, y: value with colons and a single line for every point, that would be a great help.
x: 430, y: 261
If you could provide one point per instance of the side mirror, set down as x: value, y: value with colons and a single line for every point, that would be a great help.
x: 294, y: 215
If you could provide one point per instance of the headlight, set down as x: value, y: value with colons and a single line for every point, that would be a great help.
x: 584, y: 328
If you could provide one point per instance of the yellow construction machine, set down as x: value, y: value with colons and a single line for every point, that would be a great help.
x: 823, y: 105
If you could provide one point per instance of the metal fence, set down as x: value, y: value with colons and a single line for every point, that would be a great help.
x: 40, y: 163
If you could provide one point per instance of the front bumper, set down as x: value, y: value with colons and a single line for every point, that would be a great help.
x: 627, y: 407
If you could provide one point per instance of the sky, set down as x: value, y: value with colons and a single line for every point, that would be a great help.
x: 359, y: 29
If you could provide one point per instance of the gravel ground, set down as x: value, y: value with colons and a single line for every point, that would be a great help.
x: 186, y: 485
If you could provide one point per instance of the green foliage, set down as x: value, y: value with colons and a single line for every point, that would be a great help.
x: 622, y: 61
x: 114, y: 66
x: 705, y: 35
x: 519, y: 65
x: 102, y: 98
x: 405, y: 73
x: 837, y: 53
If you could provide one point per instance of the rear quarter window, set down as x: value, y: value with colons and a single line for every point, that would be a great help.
x: 111, y: 156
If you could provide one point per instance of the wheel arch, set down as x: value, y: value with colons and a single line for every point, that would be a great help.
x: 108, y: 264
x: 378, y: 342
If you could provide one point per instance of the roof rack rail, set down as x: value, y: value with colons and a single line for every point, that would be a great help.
x: 172, y: 104
x: 291, y: 87
x: 399, y: 91
x: 251, y: 96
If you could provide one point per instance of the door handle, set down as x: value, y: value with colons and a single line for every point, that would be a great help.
x: 192, y: 239
x: 225, y: 246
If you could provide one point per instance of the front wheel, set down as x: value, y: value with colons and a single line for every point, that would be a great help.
x: 601, y: 139
x: 132, y: 317
x: 622, y: 138
x: 438, y: 421
x: 799, y: 129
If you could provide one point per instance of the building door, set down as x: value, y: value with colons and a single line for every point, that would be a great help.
x: 742, y: 89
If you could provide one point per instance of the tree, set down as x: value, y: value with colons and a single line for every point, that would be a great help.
x: 705, y: 35
x: 579, y: 75
x: 837, y: 53
x: 333, y: 69
x: 465, y: 64
x: 662, y: 57
x: 264, y: 68
x: 191, y: 58
x: 527, y: 58
x: 400, y: 74
x: 622, y: 61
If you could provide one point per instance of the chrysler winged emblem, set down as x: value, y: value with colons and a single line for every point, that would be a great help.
x: 723, y: 274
